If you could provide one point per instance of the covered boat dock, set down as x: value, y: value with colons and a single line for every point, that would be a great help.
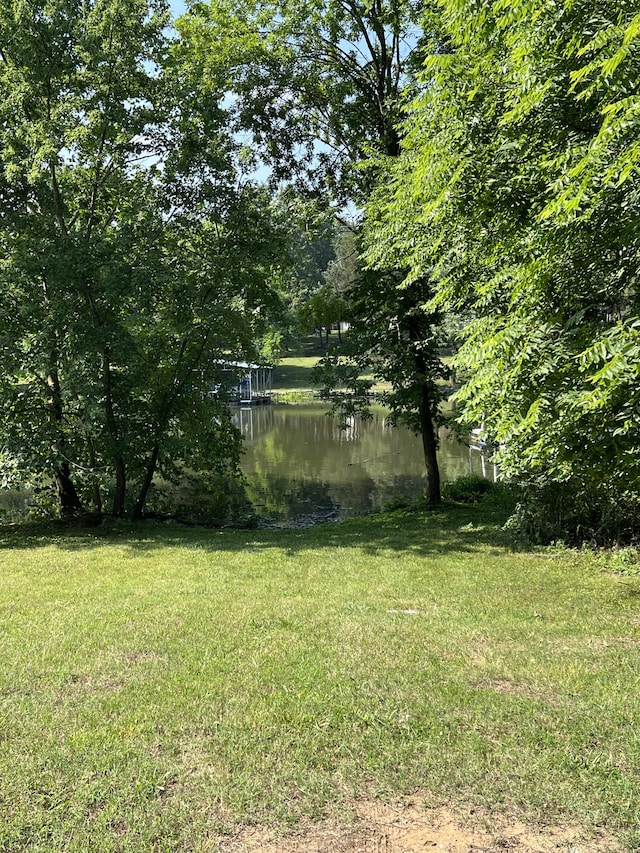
x: 249, y: 384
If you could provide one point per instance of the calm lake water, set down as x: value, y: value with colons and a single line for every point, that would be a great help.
x: 302, y: 468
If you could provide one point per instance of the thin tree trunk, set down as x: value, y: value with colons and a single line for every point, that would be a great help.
x: 112, y: 426
x: 427, y: 426
x: 165, y: 409
x: 97, y: 497
x: 68, y: 500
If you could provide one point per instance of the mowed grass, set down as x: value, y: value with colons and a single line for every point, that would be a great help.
x: 294, y: 373
x: 160, y: 686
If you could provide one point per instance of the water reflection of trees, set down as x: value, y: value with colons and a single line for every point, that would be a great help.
x: 289, y: 499
x: 300, y: 463
x: 293, y: 469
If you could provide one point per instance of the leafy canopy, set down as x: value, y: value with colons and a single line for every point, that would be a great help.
x: 517, y: 194
x: 133, y: 261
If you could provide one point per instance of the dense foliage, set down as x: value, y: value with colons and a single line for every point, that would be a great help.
x: 315, y: 83
x: 138, y: 252
x: 517, y: 195
x: 133, y: 262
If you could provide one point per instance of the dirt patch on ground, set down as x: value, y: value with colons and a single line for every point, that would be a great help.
x: 409, y: 828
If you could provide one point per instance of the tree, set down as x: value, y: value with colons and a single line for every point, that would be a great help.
x: 315, y: 84
x: 340, y: 276
x: 517, y: 194
x: 395, y: 339
x: 311, y: 239
x: 321, y: 311
x: 319, y: 89
x: 133, y: 261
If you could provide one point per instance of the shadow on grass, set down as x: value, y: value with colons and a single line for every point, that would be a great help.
x: 445, y: 530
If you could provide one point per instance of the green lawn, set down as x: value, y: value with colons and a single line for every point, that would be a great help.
x: 292, y: 376
x: 161, y: 686
x: 293, y: 373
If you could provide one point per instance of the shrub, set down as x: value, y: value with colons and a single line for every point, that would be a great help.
x: 575, y: 512
x: 396, y: 502
x: 468, y: 489
x: 215, y: 500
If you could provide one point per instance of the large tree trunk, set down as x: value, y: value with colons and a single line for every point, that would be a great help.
x: 430, y: 447
x: 68, y: 500
x: 120, y: 492
x: 141, y: 500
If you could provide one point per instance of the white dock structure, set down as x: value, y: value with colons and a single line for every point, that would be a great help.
x: 250, y: 384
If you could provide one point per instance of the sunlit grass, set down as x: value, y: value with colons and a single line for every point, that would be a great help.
x: 158, y: 685
x: 294, y: 373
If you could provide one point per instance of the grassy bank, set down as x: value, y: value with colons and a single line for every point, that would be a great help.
x: 160, y: 686
x: 292, y: 377
x: 292, y: 374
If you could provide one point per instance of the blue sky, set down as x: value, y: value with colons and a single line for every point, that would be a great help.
x: 177, y: 7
